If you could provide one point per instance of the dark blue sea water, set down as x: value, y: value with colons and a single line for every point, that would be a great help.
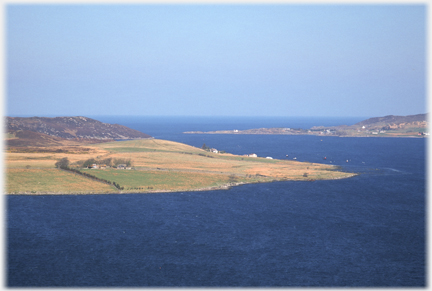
x: 366, y: 231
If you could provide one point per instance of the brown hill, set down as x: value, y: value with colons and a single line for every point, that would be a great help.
x: 77, y: 127
x: 393, y: 120
x: 26, y: 137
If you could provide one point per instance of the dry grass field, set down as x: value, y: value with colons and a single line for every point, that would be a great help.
x: 163, y: 155
x: 158, y: 165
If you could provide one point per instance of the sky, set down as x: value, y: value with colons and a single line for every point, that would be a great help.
x: 215, y: 60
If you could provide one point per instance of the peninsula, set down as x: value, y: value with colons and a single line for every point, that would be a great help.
x: 387, y: 126
x: 45, y: 163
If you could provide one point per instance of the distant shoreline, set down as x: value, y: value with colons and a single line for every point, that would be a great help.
x: 323, y: 135
x: 387, y: 126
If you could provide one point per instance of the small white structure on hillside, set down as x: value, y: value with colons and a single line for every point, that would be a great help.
x: 252, y: 155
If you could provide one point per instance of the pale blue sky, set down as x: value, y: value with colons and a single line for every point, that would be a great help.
x: 216, y: 60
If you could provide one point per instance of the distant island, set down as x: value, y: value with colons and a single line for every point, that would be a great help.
x: 387, y: 126
x: 78, y: 155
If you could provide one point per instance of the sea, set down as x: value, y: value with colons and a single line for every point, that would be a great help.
x: 364, y: 231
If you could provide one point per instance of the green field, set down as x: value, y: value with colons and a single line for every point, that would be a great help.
x: 165, y: 180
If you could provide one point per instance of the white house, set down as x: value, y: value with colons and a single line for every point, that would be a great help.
x: 252, y: 155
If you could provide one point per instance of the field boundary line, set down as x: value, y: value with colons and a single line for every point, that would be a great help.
x: 88, y: 176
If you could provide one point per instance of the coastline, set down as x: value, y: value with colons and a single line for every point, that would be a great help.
x: 214, y: 188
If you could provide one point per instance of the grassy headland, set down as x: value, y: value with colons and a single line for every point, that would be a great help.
x: 158, y: 166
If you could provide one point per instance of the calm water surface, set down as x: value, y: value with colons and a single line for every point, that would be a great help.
x: 364, y: 231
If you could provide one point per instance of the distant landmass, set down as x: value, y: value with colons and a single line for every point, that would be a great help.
x: 389, y: 126
x: 394, y: 121
x: 77, y: 127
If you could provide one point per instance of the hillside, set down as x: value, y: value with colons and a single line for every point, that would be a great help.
x: 157, y: 166
x: 393, y: 120
x: 77, y: 127
x: 22, y: 138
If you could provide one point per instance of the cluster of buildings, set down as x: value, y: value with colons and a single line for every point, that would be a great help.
x: 376, y: 132
x: 213, y: 150
x: 103, y: 166
x: 327, y: 131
